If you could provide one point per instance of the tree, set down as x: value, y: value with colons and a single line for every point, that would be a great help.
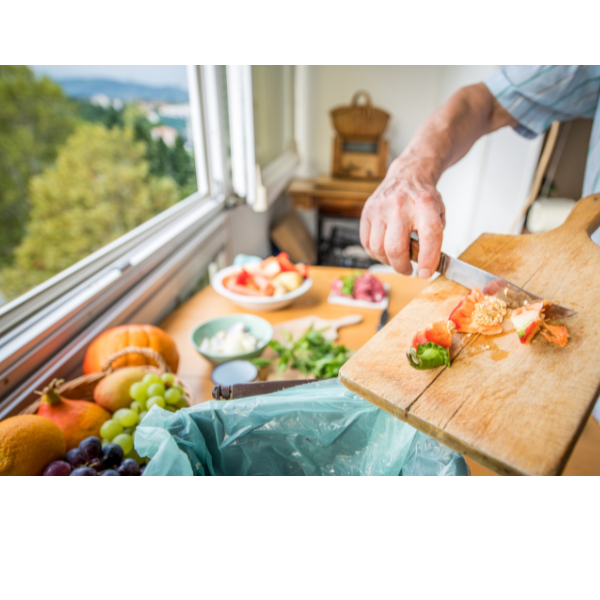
x: 35, y: 119
x: 94, y: 113
x: 176, y: 161
x: 99, y: 189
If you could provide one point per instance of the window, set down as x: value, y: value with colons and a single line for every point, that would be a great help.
x: 87, y: 154
x: 134, y: 184
x: 272, y: 94
x: 158, y: 255
x: 261, y: 119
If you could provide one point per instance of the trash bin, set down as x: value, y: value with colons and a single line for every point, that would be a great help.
x: 317, y: 429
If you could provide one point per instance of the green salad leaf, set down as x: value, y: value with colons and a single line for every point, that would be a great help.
x: 428, y: 356
x: 348, y: 282
x: 312, y: 354
x: 261, y: 362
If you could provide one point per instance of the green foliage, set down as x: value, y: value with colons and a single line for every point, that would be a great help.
x: 99, y: 189
x: 93, y: 113
x: 109, y: 177
x: 311, y: 353
x: 35, y: 118
x: 175, y: 162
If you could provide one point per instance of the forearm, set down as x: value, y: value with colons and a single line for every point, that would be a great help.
x: 450, y: 132
x: 407, y: 199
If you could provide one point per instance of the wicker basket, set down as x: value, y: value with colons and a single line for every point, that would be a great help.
x: 360, y: 121
x: 83, y: 387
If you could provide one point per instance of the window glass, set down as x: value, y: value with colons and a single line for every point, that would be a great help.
x: 273, y: 91
x: 86, y: 155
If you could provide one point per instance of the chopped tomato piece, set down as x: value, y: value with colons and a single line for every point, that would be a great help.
x: 557, y: 334
x: 242, y: 277
x: 437, y: 333
x: 245, y: 290
x: 419, y: 339
x: 284, y: 262
x: 527, y: 321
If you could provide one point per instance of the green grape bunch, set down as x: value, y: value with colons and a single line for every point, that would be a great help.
x: 152, y: 390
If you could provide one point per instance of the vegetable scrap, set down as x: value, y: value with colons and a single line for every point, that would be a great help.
x: 430, y: 348
x: 557, y: 334
x: 478, y: 313
x: 527, y: 321
x: 274, y: 276
x: 428, y: 356
x: 360, y: 286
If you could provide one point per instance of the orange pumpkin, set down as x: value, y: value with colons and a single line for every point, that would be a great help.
x: 140, y: 336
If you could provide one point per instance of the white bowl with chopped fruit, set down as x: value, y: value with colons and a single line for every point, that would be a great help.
x: 268, y: 285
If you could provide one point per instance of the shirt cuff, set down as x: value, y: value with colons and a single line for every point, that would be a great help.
x: 533, y: 118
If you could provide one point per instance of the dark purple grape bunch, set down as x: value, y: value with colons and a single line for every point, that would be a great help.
x: 90, y: 458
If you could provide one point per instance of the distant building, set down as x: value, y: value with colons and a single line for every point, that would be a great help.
x: 166, y: 133
x: 105, y: 102
x: 101, y: 100
x: 152, y: 116
x: 178, y: 116
x: 176, y: 111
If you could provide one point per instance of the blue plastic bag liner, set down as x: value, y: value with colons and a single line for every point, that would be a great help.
x: 316, y: 429
x: 429, y: 457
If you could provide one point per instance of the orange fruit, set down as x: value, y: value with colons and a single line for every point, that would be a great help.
x: 28, y: 443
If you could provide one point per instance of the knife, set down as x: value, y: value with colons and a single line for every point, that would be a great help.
x: 491, y: 285
x: 383, y: 319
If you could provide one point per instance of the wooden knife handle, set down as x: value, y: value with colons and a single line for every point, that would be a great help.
x: 414, y: 253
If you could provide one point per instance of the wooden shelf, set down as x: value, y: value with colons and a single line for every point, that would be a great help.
x: 331, y: 196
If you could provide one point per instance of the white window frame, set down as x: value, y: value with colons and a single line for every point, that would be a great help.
x: 260, y: 187
x: 138, y: 278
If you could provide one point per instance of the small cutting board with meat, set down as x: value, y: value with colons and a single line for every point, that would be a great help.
x: 514, y: 408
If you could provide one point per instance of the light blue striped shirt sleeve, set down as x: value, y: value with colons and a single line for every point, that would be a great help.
x: 536, y: 95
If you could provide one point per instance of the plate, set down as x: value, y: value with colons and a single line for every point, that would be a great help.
x: 345, y: 301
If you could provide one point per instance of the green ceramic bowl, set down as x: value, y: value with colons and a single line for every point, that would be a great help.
x: 258, y: 327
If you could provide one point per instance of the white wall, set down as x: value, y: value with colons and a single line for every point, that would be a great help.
x: 483, y: 192
x: 249, y: 231
x: 408, y: 93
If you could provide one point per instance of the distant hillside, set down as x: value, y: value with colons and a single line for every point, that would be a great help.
x: 86, y: 88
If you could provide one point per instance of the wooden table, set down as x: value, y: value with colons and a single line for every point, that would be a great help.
x: 207, y: 304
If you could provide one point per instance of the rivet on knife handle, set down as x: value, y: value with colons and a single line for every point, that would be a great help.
x: 414, y: 253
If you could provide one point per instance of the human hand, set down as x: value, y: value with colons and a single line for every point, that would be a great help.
x: 405, y: 201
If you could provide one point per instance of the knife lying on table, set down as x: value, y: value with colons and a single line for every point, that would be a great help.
x: 491, y: 285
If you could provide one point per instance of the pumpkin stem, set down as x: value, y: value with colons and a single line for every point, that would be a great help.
x: 50, y: 394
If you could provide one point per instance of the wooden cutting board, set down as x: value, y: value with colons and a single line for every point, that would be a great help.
x: 516, y: 409
x: 297, y: 327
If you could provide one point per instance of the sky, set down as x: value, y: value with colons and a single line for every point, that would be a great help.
x: 155, y: 75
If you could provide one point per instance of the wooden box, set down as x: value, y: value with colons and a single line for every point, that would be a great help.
x: 359, y: 159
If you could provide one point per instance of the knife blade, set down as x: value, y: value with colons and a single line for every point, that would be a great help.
x: 383, y: 319
x: 491, y: 285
